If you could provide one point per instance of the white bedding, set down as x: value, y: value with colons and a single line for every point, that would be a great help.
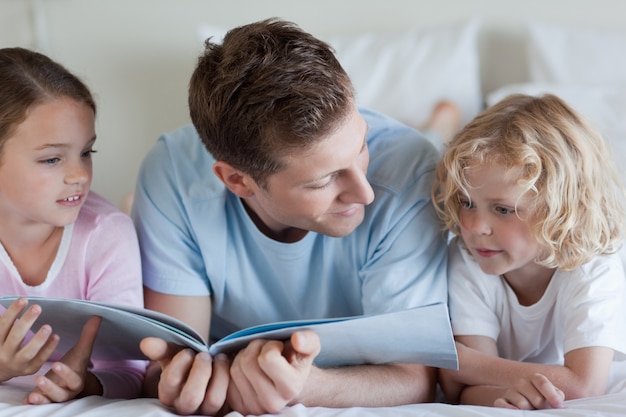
x: 610, y: 405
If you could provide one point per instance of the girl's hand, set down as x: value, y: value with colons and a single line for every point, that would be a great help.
x: 69, y: 378
x: 18, y: 360
x: 532, y: 393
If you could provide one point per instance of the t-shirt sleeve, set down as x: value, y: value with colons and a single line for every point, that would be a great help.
x: 594, y: 307
x: 114, y: 274
x: 406, y: 257
x: 171, y: 259
x: 113, y: 263
x: 472, y: 303
x: 408, y: 265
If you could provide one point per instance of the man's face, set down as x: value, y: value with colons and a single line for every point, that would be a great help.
x: 323, y: 189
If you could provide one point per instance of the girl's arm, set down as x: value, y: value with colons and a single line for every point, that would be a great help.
x: 113, y: 265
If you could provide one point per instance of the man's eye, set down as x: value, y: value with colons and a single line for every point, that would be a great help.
x: 322, y: 186
x: 329, y: 180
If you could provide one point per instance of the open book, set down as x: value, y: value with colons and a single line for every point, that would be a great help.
x: 420, y: 335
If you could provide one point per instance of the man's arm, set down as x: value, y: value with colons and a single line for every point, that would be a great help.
x: 181, y: 308
x: 370, y: 386
x: 192, y: 310
x: 268, y: 375
x: 188, y: 381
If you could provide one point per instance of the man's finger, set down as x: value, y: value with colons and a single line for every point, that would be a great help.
x: 157, y: 349
x: 306, y: 345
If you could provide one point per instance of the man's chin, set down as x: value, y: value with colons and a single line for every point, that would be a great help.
x: 344, y: 227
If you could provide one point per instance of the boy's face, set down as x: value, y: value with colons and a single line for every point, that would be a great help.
x: 323, y: 189
x: 495, y: 222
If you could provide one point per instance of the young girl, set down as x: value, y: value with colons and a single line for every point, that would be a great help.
x: 536, y: 289
x: 57, y: 239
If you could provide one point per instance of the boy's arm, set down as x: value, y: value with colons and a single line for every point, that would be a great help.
x: 584, y: 373
x: 533, y: 393
x: 450, y: 380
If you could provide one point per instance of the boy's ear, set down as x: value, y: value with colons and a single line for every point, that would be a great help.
x: 234, y: 179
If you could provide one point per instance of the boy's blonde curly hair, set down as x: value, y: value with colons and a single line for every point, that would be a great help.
x: 578, y: 209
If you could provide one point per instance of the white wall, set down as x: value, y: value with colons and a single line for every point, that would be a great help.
x: 137, y: 55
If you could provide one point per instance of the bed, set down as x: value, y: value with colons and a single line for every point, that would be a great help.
x: 405, y: 74
x: 610, y: 405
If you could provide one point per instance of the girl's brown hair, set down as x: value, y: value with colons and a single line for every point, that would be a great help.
x: 29, y: 78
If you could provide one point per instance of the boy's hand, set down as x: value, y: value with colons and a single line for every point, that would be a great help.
x: 533, y: 393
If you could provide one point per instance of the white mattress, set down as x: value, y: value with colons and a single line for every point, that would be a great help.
x: 610, y: 405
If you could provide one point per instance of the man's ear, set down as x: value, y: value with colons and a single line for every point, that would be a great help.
x: 234, y: 179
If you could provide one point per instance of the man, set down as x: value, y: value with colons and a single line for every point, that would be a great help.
x: 303, y: 207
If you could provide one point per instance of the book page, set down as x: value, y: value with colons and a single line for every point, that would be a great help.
x: 121, y: 330
x: 420, y: 335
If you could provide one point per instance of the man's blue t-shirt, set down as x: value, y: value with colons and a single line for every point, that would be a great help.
x: 197, y: 239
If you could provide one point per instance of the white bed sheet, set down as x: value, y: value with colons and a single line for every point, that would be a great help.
x: 610, y: 405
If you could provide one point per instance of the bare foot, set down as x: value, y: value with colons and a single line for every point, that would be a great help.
x: 126, y: 204
x: 444, y: 121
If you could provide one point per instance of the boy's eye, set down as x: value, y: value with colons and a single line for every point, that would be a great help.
x: 465, y: 203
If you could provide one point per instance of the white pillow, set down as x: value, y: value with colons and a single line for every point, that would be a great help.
x: 604, y: 107
x: 404, y: 74
x: 576, y: 55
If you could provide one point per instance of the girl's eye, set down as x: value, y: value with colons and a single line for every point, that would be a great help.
x: 503, y: 210
x: 88, y: 153
x: 50, y: 161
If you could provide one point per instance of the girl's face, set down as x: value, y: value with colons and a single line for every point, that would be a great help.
x: 495, y: 223
x: 45, y: 166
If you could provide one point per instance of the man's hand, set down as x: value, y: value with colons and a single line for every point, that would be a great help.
x: 192, y: 383
x: 533, y: 393
x: 268, y: 375
x: 69, y: 378
x: 18, y: 360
